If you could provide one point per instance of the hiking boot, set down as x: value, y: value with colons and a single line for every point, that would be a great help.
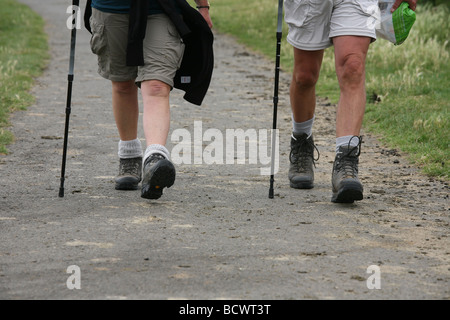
x: 158, y: 174
x: 346, y: 186
x: 301, y: 172
x: 130, y: 173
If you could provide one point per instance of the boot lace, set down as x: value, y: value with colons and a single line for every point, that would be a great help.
x: 302, y: 152
x: 348, y: 161
x: 129, y: 166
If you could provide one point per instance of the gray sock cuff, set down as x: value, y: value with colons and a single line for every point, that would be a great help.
x: 346, y: 140
x: 130, y: 149
x: 303, y: 127
x: 156, y: 148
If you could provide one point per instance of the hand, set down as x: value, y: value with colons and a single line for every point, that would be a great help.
x: 412, y: 4
x: 205, y: 13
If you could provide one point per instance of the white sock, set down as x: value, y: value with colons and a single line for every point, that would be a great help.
x: 156, y: 148
x: 353, y: 141
x: 130, y: 149
x: 303, y: 127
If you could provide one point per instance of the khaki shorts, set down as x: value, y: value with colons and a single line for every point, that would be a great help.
x: 313, y: 23
x: 163, y: 48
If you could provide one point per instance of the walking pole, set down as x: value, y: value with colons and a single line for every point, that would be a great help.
x: 75, y: 5
x: 275, y: 97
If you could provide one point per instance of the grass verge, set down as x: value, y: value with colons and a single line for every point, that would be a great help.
x: 408, y: 86
x: 23, y: 56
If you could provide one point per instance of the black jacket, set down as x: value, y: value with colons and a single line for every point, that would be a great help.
x: 195, y: 73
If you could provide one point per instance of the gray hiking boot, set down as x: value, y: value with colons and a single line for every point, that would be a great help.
x: 130, y: 173
x: 159, y: 173
x: 301, y: 171
x: 346, y: 186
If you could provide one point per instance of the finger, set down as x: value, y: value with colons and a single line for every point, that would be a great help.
x: 396, y: 5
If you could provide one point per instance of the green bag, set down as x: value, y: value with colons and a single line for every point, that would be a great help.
x: 395, y: 27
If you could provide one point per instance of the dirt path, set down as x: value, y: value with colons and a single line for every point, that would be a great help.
x: 215, y: 234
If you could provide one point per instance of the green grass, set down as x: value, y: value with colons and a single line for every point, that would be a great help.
x: 411, y: 81
x: 23, y: 55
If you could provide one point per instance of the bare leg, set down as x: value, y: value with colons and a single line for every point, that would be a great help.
x: 126, y: 109
x: 126, y: 114
x: 156, y: 111
x: 159, y: 173
x: 303, y: 85
x: 303, y: 102
x: 350, y: 55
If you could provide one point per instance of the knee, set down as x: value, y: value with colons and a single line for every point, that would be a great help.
x: 155, y: 88
x: 124, y: 87
x: 305, y: 78
x: 352, y: 70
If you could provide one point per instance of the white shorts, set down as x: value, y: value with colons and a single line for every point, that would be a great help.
x: 313, y: 23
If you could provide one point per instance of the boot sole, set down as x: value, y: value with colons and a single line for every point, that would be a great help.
x: 163, y: 176
x: 302, y: 185
x: 348, y: 193
x: 127, y: 184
